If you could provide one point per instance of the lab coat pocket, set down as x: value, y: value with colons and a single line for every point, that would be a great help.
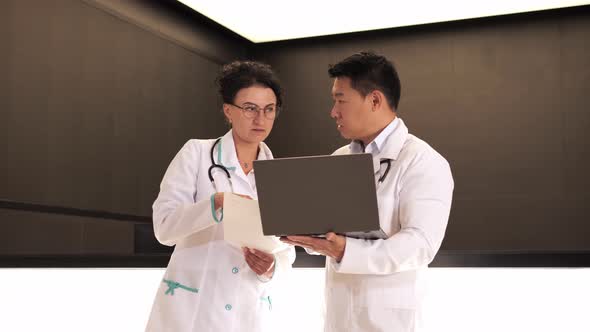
x: 338, y: 309
x: 175, y: 304
x: 173, y: 285
x: 392, y: 309
x: 393, y: 297
x: 180, y: 282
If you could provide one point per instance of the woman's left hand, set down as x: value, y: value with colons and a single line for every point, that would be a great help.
x: 262, y: 263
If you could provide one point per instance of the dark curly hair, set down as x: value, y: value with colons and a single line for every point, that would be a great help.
x: 368, y: 72
x: 239, y: 75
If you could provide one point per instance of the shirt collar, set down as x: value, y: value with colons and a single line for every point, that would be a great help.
x: 387, y: 145
x: 382, y: 144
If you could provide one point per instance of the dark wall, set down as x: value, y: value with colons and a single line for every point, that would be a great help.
x: 96, y: 97
x: 503, y: 99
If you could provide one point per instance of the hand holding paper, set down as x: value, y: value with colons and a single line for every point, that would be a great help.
x: 242, y: 226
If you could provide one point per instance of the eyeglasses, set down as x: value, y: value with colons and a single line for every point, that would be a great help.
x: 251, y: 111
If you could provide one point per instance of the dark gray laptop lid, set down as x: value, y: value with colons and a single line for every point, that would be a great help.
x: 316, y: 195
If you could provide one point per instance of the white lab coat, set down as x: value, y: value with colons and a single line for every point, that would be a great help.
x: 379, y: 284
x: 207, y: 286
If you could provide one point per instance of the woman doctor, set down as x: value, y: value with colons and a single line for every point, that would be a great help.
x: 210, y: 285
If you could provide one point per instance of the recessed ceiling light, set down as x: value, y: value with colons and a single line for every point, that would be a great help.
x: 266, y: 20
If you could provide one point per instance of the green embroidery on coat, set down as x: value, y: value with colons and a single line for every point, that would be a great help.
x: 172, y: 285
x: 213, y: 213
x: 268, y: 300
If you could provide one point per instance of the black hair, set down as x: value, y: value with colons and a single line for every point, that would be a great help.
x: 368, y: 72
x: 239, y: 75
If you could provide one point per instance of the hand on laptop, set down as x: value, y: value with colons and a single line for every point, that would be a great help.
x: 333, y: 245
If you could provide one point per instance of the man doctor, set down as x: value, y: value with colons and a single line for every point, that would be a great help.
x: 378, y: 285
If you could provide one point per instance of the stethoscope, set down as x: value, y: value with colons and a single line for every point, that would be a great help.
x: 384, y: 175
x: 215, y: 165
x: 383, y: 161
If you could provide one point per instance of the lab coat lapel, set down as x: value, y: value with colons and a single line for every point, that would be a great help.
x: 392, y: 146
x: 229, y: 158
x: 395, y: 142
x: 226, y: 156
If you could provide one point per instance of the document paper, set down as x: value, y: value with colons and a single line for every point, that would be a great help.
x: 242, y: 226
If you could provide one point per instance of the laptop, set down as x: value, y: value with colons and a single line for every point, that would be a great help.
x: 319, y: 194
